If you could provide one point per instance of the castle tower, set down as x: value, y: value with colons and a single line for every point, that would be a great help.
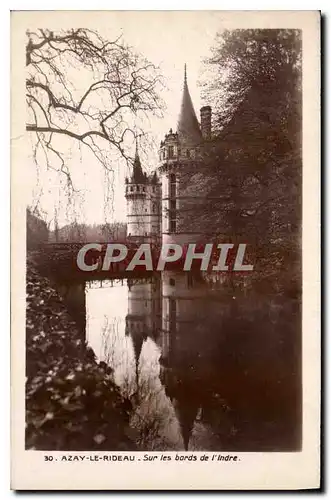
x: 182, y: 295
x: 181, y: 152
x: 143, y: 195
x: 182, y: 299
x: 144, y: 312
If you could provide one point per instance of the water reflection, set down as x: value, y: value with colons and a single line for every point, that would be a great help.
x: 204, y: 370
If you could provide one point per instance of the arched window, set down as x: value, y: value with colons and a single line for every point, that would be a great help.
x: 172, y: 186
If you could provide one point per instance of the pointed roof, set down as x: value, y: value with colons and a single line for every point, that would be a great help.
x: 186, y: 412
x: 188, y: 126
x: 138, y: 175
x: 137, y: 342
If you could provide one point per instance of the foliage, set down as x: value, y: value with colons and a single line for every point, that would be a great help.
x: 72, y: 402
x: 252, y: 168
x: 89, y: 233
x: 36, y: 230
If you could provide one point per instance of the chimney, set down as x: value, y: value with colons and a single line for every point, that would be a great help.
x: 205, y: 118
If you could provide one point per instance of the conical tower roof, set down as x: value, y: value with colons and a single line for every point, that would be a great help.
x: 186, y: 412
x: 138, y: 175
x: 137, y: 342
x: 188, y: 126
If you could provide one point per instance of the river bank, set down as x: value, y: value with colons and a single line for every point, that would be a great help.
x: 72, y: 402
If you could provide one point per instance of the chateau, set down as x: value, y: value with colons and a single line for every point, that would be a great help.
x: 155, y: 202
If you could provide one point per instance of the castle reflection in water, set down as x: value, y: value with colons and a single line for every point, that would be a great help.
x: 204, y: 369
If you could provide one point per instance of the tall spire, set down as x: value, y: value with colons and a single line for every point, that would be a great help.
x: 137, y: 342
x: 186, y: 411
x: 138, y: 175
x: 137, y: 162
x: 137, y: 154
x: 188, y: 126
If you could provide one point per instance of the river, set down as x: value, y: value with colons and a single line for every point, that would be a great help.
x: 205, y: 368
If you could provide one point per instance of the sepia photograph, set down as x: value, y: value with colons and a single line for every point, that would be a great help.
x: 161, y: 210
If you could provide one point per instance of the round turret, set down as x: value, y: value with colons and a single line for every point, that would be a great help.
x: 180, y: 153
x: 143, y: 195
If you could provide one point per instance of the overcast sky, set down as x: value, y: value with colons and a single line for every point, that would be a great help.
x: 169, y: 40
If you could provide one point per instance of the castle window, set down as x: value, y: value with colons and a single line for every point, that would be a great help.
x: 171, y: 151
x: 172, y: 186
x: 172, y: 216
x: 138, y: 188
x: 172, y: 282
x: 173, y: 226
x: 144, y: 189
x: 131, y: 188
x: 153, y: 207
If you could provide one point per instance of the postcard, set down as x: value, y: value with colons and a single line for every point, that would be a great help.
x: 165, y: 324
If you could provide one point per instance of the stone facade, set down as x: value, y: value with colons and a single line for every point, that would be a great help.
x: 143, y: 195
x: 155, y: 203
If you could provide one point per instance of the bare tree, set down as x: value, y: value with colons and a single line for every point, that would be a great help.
x: 84, y: 88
